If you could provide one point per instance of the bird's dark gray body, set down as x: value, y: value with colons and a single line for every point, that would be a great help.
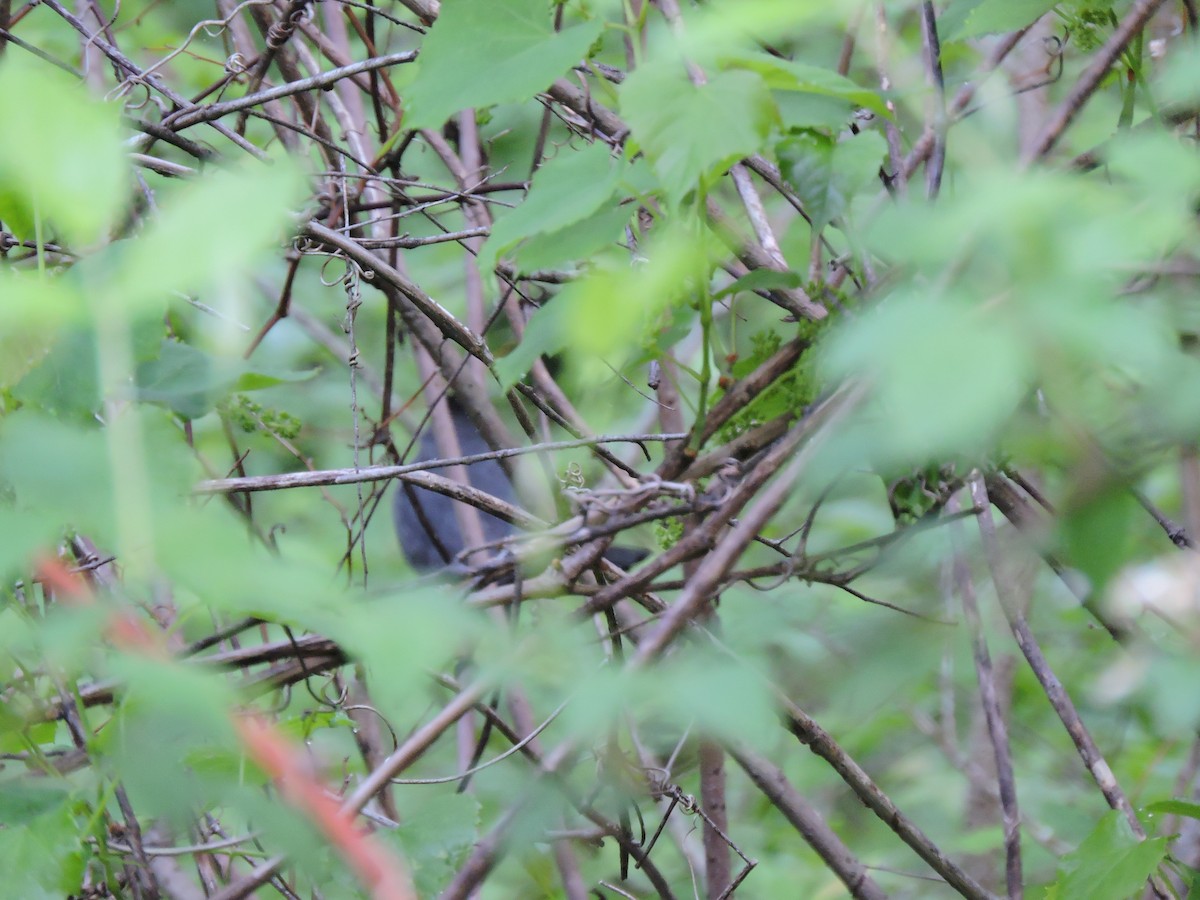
x: 425, y: 520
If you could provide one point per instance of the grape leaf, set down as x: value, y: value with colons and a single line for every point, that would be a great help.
x: 483, y: 52
x: 691, y: 132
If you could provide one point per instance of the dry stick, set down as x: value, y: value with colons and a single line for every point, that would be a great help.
x: 468, y: 170
x: 1026, y: 519
x: 529, y: 750
x: 559, y: 410
x: 336, y: 48
x: 770, y: 173
x: 243, y: 42
x: 697, y: 596
x: 418, y: 742
x: 718, y: 871
x: 281, y: 52
x: 846, y: 56
x: 251, y: 881
x: 801, y: 725
x: 125, y: 63
x: 808, y: 821
x: 899, y: 177
x: 924, y: 145
x: 1051, y: 686
x: 703, y: 538
x: 757, y: 214
x: 79, y: 736
x: 468, y: 176
x: 471, y: 395
x: 813, y: 736
x: 996, y: 726
x: 425, y: 10
x: 1177, y: 534
x: 698, y: 592
x: 795, y: 300
x: 932, y: 48
x: 375, y: 267
x: 368, y: 734
x: 316, y: 653
x: 5, y: 21
x: 718, y: 867
x: 354, y: 132
x: 320, y: 477
x: 1189, y: 482
x: 700, y: 587
x: 1090, y: 80
x: 485, y: 854
x: 1193, y: 16
x: 275, y: 36
x: 189, y: 117
x: 733, y: 401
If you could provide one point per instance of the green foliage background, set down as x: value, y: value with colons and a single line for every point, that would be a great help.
x: 1018, y: 314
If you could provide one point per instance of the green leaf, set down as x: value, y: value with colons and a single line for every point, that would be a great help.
x: 973, y: 18
x: 575, y: 242
x: 1173, y: 808
x: 483, y: 52
x: 692, y: 133
x: 1111, y: 863
x: 955, y: 16
x: 1175, y: 713
x: 156, y: 728
x: 210, y: 231
x: 34, y: 312
x: 400, y: 641
x: 59, y: 475
x: 1097, y: 535
x: 761, y: 280
x: 436, y: 836
x: 566, y: 190
x: 191, y: 382
x: 186, y: 380
x: 62, y: 158
x: 64, y: 382
x: 828, y: 173
x: 41, y: 860
x: 786, y: 75
x: 727, y: 698
x: 945, y: 376
x: 798, y: 111
x: 606, y: 313
x: 545, y: 334
x: 23, y: 800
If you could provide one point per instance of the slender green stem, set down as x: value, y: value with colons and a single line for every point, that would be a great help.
x: 704, y: 300
x: 1133, y: 59
x: 38, y: 237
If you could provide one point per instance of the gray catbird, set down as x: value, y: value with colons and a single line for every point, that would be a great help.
x: 425, y: 521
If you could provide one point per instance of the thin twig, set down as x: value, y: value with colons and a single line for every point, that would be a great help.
x: 937, y: 118
x: 992, y: 713
x: 1053, y: 688
x: 1089, y: 81
x: 381, y: 473
x: 808, y: 822
x: 813, y: 736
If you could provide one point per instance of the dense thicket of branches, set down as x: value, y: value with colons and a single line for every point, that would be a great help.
x: 870, y: 324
